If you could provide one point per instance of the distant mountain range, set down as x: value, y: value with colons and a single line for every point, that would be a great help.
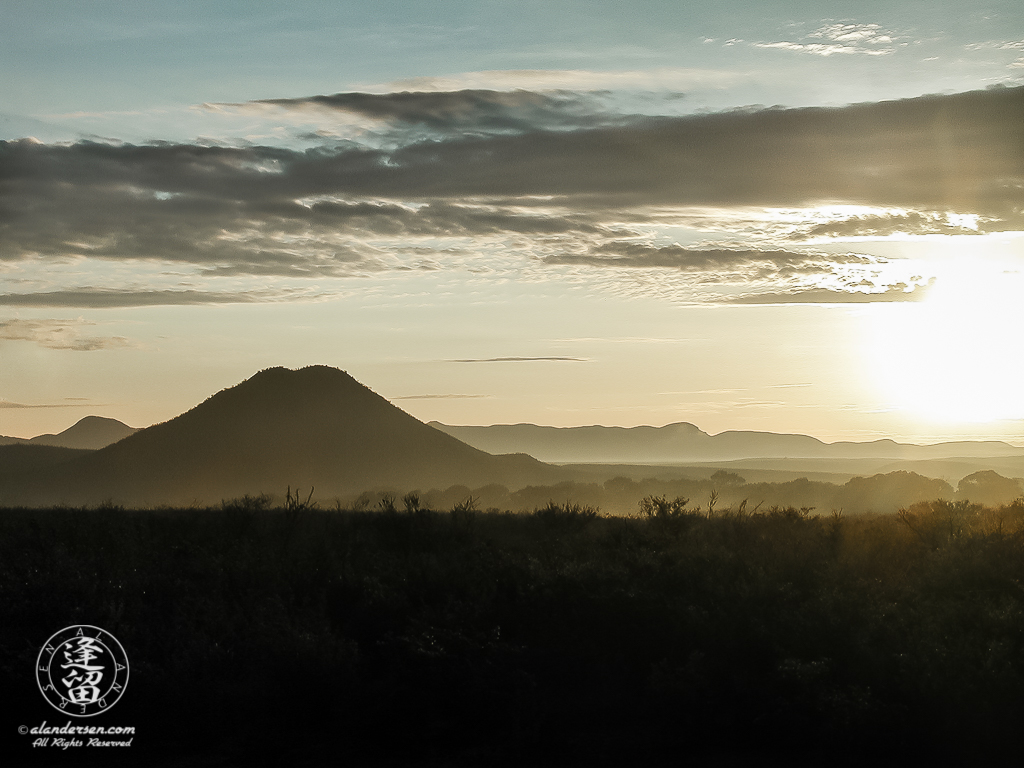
x: 678, y: 443
x: 92, y: 432
x: 683, y: 443
x: 312, y: 427
x: 319, y: 427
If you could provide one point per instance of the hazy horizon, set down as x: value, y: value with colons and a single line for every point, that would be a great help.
x: 79, y: 421
x: 800, y: 218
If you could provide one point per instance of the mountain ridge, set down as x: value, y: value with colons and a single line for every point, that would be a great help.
x: 683, y: 442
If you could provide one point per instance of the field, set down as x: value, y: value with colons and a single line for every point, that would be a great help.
x: 410, y: 636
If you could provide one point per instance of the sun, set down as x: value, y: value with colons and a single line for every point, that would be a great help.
x: 956, y: 356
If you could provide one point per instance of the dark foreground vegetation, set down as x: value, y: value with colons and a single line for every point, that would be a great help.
x: 415, y: 637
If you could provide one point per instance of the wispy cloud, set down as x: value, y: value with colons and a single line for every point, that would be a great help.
x: 58, y: 334
x: 638, y: 255
x: 9, y: 404
x: 840, y: 38
x: 89, y: 297
x: 998, y: 45
x: 707, y: 274
x: 521, y: 360
x: 440, y: 397
x: 909, y: 223
x: 829, y: 296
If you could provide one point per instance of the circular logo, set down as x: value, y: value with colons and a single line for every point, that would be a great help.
x: 82, y: 670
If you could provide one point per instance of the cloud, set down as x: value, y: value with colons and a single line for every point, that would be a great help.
x: 441, y: 218
x: 950, y: 149
x: 691, y: 272
x: 864, y: 39
x: 910, y: 223
x: 231, y: 225
x: 634, y: 255
x: 9, y: 404
x: 462, y: 111
x: 944, y: 153
x: 1000, y: 45
x: 578, y: 191
x: 521, y: 360
x: 440, y: 397
x: 100, y: 298
x: 58, y: 334
x: 897, y: 292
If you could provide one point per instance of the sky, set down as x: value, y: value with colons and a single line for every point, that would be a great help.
x: 792, y: 216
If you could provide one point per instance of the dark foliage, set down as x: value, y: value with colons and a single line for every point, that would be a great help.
x: 415, y: 637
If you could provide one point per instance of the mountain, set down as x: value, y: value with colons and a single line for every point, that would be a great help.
x: 91, y: 433
x: 315, y: 426
x: 684, y: 443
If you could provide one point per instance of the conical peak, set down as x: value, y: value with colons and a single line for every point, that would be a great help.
x: 303, y: 381
x: 318, y: 393
x: 308, y: 373
x: 315, y: 427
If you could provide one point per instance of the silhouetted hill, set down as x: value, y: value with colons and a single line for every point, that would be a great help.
x: 312, y: 427
x: 684, y: 443
x: 92, y: 432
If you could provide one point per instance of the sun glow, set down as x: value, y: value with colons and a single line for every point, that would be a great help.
x: 954, y: 357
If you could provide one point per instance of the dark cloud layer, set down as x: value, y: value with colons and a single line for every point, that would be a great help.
x: 466, y: 111
x: 273, y: 211
x: 961, y: 152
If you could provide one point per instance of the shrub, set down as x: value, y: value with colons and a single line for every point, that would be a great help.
x: 660, y: 508
x: 568, y: 516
